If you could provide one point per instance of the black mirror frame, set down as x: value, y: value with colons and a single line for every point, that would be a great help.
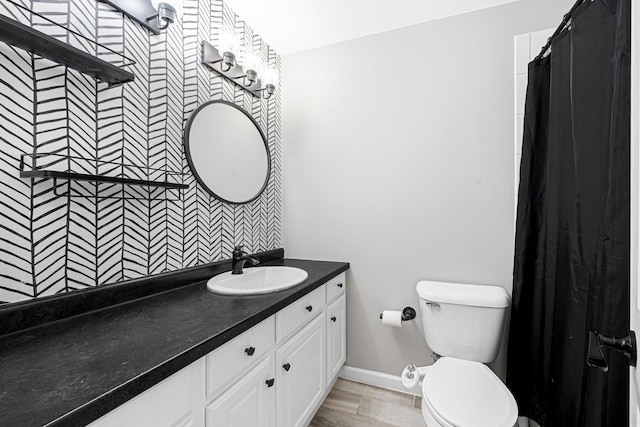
x: 187, y: 151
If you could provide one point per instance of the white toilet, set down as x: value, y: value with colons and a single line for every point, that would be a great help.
x: 463, y: 324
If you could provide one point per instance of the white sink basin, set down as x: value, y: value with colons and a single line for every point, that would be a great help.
x: 257, y: 280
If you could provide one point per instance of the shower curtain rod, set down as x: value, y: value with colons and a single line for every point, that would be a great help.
x: 565, y: 22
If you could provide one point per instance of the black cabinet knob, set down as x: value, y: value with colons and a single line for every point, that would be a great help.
x: 333, y: 319
x: 250, y: 351
x: 270, y: 382
x: 339, y: 285
x: 286, y: 367
x: 309, y: 308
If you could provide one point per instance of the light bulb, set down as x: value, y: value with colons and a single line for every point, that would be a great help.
x: 253, y: 67
x: 270, y: 79
x: 269, y: 76
x: 229, y: 43
x: 229, y: 47
x: 252, y: 62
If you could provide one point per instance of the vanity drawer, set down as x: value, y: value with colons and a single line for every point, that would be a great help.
x: 299, y: 313
x: 336, y: 286
x: 228, y: 361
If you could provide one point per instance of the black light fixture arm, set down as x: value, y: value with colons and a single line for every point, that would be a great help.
x: 268, y: 90
x: 566, y: 19
x: 161, y: 23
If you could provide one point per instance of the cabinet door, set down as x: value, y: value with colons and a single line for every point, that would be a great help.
x: 301, y: 374
x: 336, y: 338
x: 226, y: 364
x: 250, y: 402
x: 174, y: 402
x: 336, y: 287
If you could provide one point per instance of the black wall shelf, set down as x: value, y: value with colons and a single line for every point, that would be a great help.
x: 57, y: 166
x: 24, y: 37
x: 72, y: 176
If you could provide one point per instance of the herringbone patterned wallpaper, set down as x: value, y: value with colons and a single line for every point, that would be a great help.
x: 57, y: 243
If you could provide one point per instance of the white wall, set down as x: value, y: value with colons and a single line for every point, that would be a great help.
x: 408, y: 177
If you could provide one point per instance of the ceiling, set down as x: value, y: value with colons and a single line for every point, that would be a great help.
x: 295, y: 25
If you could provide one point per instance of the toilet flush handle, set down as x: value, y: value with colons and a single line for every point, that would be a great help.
x: 432, y: 304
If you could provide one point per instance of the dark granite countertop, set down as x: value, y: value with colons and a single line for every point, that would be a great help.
x: 74, y: 370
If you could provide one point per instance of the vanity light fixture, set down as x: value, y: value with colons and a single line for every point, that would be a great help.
x: 229, y: 46
x: 250, y: 75
x: 251, y: 65
x: 270, y: 77
x: 155, y: 15
x: 168, y: 12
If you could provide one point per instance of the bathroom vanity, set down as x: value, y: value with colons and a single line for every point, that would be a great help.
x: 181, y: 357
x: 275, y: 374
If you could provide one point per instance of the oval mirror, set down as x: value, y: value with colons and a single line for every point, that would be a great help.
x: 227, y: 152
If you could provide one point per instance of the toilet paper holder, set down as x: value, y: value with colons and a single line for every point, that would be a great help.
x: 408, y: 313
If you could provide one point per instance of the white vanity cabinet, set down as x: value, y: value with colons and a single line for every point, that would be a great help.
x: 226, y: 364
x: 336, y: 326
x: 336, y: 337
x: 176, y: 401
x: 249, y: 402
x: 240, y: 379
x: 301, y: 375
x: 275, y: 374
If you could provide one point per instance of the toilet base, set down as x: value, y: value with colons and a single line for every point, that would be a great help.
x: 429, y: 421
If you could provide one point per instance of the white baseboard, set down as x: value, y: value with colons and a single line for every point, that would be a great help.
x: 377, y: 379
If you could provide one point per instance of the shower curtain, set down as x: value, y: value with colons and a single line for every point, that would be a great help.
x: 571, y: 271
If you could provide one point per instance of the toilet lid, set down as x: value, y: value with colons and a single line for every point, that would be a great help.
x: 463, y: 393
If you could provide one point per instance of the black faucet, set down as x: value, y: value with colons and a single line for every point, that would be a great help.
x: 239, y: 258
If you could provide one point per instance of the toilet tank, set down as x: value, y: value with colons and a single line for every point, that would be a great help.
x: 462, y: 320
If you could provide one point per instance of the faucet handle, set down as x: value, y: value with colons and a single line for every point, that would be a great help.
x: 238, y: 251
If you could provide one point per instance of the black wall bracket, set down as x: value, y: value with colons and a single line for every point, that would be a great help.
x: 626, y: 346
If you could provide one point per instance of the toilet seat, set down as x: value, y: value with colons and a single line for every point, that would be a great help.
x: 463, y: 393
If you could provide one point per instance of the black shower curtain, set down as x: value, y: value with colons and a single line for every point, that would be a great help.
x: 571, y: 272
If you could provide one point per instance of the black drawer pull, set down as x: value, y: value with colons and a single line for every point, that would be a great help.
x: 250, y: 351
x: 339, y: 285
x: 270, y: 382
x: 286, y: 367
x: 333, y: 319
x: 309, y: 308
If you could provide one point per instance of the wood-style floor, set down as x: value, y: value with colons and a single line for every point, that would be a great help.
x: 352, y: 404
